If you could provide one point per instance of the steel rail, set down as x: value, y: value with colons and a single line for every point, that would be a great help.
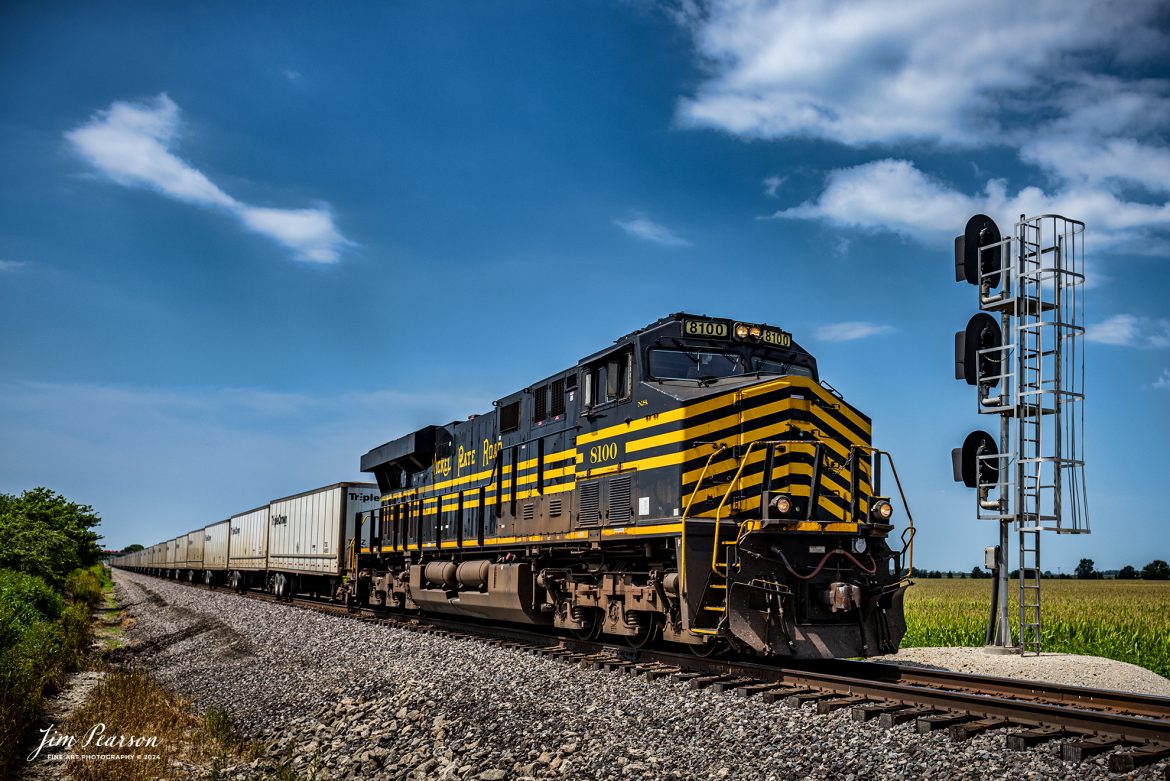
x: 1093, y: 719
x: 1085, y: 697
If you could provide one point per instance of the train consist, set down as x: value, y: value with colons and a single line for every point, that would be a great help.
x: 694, y: 483
x: 300, y: 544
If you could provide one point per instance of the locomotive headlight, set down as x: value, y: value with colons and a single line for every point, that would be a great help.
x: 782, y: 504
x: 741, y: 331
x: 754, y: 332
x: 882, y: 511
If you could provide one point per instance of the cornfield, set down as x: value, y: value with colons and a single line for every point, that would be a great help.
x: 1126, y: 620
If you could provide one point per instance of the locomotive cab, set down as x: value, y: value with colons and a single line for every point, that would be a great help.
x: 784, y: 541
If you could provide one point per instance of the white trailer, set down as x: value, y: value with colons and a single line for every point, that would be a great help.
x: 178, y: 559
x: 195, y: 544
x: 248, y: 544
x: 307, y: 532
x: 215, y: 546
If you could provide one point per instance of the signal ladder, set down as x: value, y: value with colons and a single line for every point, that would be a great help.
x: 1035, y: 478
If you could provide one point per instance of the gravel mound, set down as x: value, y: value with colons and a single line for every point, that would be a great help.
x: 1091, y: 671
x: 342, y: 699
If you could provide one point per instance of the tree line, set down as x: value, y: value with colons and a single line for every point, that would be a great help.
x: 1155, y: 570
x: 1085, y: 570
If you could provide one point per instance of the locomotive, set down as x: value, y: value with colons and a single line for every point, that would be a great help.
x: 693, y: 483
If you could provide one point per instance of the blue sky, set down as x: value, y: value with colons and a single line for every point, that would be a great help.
x: 241, y: 244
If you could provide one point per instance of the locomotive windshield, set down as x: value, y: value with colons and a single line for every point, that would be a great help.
x: 694, y: 364
x: 666, y: 364
x: 771, y: 366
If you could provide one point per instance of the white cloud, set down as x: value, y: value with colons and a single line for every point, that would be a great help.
x: 878, y: 72
x: 1131, y: 331
x: 642, y: 227
x: 11, y: 265
x: 292, y: 75
x: 890, y: 195
x: 1163, y: 381
x: 131, y: 144
x: 310, y: 233
x: 1105, y: 162
x: 895, y: 195
x: 772, y: 184
x: 850, y: 331
x: 993, y: 74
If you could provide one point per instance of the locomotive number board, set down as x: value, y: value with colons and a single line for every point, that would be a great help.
x: 777, y: 338
x: 711, y: 329
x: 708, y: 328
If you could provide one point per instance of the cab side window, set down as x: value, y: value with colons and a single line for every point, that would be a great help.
x: 609, y: 381
x: 590, y: 380
x: 619, y: 376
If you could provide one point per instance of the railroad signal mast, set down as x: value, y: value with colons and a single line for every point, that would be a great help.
x: 1023, y: 352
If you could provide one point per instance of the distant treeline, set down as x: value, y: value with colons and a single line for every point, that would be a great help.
x: 1085, y: 570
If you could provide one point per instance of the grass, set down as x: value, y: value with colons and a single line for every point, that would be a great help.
x: 42, y: 640
x: 85, y: 586
x: 1126, y: 620
x: 110, y: 628
x: 132, y: 703
x: 47, y: 638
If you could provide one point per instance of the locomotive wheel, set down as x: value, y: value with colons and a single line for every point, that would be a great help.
x: 591, y: 632
x: 647, y: 635
x: 706, y: 650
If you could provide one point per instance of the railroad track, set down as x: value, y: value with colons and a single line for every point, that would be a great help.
x: 1133, y: 728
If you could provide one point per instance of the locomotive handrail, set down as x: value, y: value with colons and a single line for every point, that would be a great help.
x: 907, y: 535
x: 907, y: 542
x: 722, y: 502
x: 682, y: 569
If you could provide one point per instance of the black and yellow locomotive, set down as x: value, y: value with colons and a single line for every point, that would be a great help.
x: 695, y: 483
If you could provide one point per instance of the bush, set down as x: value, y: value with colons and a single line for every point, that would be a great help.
x: 76, y: 636
x: 28, y: 593
x: 41, y: 640
x: 85, y: 586
x: 45, y: 540
x: 26, y: 666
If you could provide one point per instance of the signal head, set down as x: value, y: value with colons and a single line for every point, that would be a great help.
x: 982, y: 333
x: 970, y: 462
x: 974, y: 263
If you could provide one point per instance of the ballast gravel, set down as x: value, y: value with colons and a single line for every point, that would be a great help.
x: 341, y: 699
x: 1092, y: 672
